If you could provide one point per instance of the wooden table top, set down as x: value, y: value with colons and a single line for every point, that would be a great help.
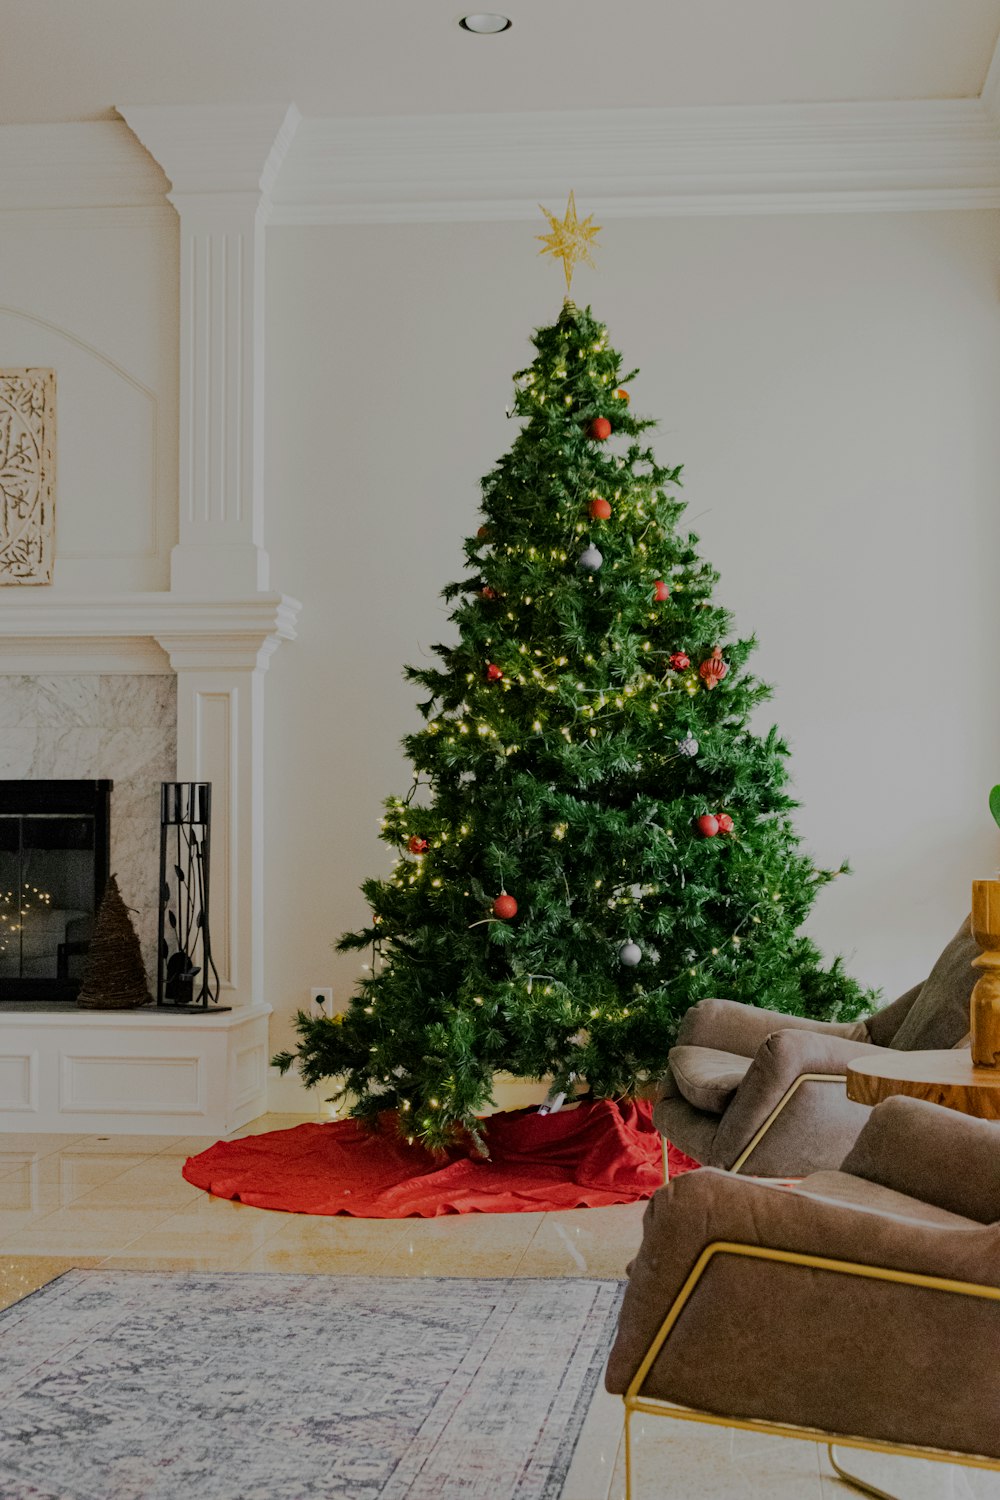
x: 947, y: 1078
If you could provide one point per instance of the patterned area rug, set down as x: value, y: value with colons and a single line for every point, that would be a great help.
x: 141, y: 1385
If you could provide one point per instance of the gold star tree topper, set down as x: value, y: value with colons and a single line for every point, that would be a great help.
x: 570, y: 239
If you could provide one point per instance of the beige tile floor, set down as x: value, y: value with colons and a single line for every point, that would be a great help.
x: 120, y: 1201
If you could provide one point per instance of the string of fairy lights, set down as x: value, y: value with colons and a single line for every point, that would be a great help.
x: 15, y: 906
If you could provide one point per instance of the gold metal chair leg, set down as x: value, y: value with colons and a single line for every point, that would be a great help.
x: 861, y: 1485
x: 628, y: 1455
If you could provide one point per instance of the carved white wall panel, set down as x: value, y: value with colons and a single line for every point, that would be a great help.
x: 27, y: 474
x: 114, y: 504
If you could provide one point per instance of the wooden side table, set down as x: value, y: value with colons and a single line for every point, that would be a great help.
x: 947, y: 1078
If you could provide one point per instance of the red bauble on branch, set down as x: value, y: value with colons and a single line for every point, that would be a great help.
x: 483, y: 533
x: 623, y: 395
x: 417, y: 845
x: 505, y: 907
x: 599, y: 428
x: 725, y: 822
x: 660, y: 591
x: 680, y: 661
x: 707, y: 825
x: 713, y: 668
x: 600, y: 510
x: 493, y: 672
x: 487, y: 592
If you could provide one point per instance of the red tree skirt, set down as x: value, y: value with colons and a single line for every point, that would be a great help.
x: 599, y: 1153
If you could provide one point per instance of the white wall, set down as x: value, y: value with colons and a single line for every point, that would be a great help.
x: 831, y: 384
x: 99, y: 305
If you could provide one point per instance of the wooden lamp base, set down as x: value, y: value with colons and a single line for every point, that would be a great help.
x: 984, y: 1006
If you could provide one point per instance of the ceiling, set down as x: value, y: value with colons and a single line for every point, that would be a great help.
x: 65, y: 60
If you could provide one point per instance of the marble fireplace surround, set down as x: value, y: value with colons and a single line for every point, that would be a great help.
x: 79, y: 677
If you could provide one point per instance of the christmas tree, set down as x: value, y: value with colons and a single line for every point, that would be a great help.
x: 595, y: 838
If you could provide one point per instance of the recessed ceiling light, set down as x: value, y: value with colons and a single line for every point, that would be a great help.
x: 486, y: 23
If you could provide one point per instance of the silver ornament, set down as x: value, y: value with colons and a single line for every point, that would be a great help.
x: 591, y: 559
x: 688, y: 745
x: 630, y: 954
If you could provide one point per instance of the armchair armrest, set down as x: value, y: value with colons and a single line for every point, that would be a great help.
x: 757, y: 1301
x: 709, y: 1206
x: 934, y: 1154
x: 729, y: 1026
x: 785, y: 1056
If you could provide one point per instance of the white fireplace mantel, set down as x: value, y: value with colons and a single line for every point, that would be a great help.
x: 216, y: 629
x: 147, y: 1071
x: 149, y: 632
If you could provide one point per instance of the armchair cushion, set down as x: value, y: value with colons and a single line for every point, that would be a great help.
x: 944, y: 1158
x: 706, y: 1077
x: 733, y: 1027
x: 783, y: 1058
x: 870, y: 1197
x: 939, y: 1016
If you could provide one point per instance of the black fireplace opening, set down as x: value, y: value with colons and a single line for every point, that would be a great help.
x: 54, y: 863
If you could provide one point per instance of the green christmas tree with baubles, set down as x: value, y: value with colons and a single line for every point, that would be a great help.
x: 594, y: 838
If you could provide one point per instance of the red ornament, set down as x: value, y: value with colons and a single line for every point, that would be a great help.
x: 680, y: 662
x: 417, y: 845
x: 660, y: 591
x: 725, y: 822
x: 505, y: 907
x: 600, y: 509
x: 488, y: 593
x: 623, y: 395
x: 707, y: 825
x: 493, y: 672
x: 600, y: 428
x: 483, y: 533
x: 713, y: 668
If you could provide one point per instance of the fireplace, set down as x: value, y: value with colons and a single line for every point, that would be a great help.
x: 54, y: 860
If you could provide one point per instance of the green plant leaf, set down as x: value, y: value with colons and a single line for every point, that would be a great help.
x: 995, y: 804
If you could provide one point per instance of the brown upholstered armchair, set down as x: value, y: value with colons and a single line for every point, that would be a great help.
x: 860, y: 1306
x: 763, y: 1093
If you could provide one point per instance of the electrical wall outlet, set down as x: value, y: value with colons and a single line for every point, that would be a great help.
x: 321, y: 999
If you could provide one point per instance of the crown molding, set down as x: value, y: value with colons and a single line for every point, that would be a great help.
x: 643, y: 162
x: 990, y: 96
x: 93, y: 165
x: 213, y: 149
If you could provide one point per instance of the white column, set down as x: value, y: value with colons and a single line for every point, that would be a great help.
x: 222, y: 162
x: 220, y: 738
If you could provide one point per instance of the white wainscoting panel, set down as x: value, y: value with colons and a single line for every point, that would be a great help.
x: 18, y: 1081
x: 131, y: 1085
x: 138, y: 1072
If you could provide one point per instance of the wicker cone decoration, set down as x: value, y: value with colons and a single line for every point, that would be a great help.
x: 114, y: 976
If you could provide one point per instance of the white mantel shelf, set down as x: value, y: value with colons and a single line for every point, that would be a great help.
x: 145, y: 632
x: 142, y: 1018
x: 139, y: 1071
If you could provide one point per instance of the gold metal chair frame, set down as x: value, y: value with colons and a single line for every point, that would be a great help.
x: 654, y: 1406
